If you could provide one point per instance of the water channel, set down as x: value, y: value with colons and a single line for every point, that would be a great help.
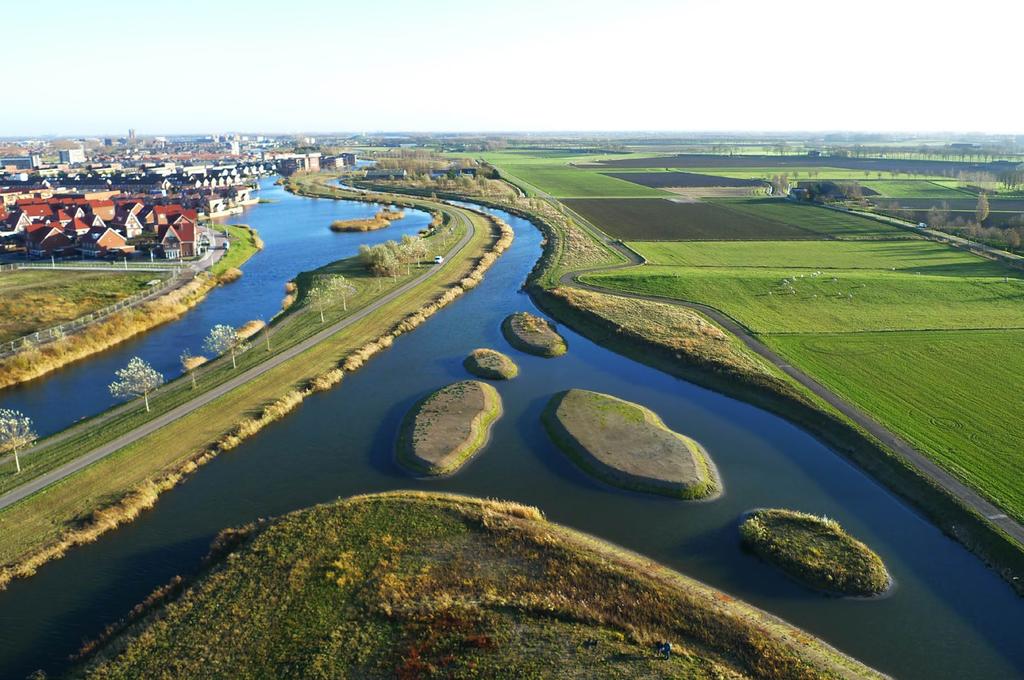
x: 947, y: 617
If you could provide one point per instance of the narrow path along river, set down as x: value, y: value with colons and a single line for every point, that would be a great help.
x: 948, y: 616
x: 297, y: 239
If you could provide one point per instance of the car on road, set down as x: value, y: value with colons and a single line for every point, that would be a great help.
x: 438, y: 259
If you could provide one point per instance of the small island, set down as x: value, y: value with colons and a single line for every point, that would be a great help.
x: 445, y: 429
x: 383, y: 218
x: 408, y: 584
x: 534, y: 335
x: 490, y: 364
x: 815, y: 551
x: 628, y: 445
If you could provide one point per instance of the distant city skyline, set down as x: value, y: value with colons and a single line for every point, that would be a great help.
x: 529, y: 66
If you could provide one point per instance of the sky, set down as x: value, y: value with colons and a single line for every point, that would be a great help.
x: 74, y: 67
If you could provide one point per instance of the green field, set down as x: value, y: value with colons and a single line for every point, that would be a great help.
x: 924, y: 337
x: 904, y: 188
x: 35, y: 299
x: 921, y: 256
x: 549, y: 172
x: 837, y: 301
x: 828, y: 223
x: 806, y: 173
x: 955, y: 395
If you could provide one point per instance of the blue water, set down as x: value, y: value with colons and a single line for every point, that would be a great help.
x: 297, y: 239
x: 947, y: 617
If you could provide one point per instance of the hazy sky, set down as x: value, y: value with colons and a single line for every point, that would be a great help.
x: 74, y: 67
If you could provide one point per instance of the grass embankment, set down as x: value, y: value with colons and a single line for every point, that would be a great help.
x: 628, y: 445
x: 245, y: 243
x: 416, y: 585
x: 685, y: 344
x: 38, y: 361
x: 816, y: 551
x: 447, y: 427
x: 119, y: 487
x: 382, y: 219
x: 32, y: 300
x: 534, y: 335
x: 490, y: 364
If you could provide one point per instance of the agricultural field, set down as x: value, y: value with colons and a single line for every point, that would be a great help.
x: 875, y: 165
x: 34, y: 299
x: 953, y: 394
x: 550, y: 172
x: 909, y: 188
x: 915, y: 257
x: 823, y: 222
x: 924, y: 337
x: 834, y: 301
x: 727, y: 220
x: 663, y: 180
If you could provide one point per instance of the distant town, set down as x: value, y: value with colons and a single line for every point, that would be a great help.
x: 136, y: 196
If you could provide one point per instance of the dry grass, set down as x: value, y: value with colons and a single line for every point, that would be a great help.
x: 38, y: 361
x: 446, y: 428
x: 491, y: 364
x: 413, y: 585
x: 192, y: 363
x: 529, y: 333
x: 628, y: 445
x: 383, y: 218
x: 250, y: 328
x: 229, y: 275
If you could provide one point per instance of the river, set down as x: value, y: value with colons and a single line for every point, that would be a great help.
x: 947, y: 617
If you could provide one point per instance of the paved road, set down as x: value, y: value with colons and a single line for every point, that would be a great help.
x: 38, y: 483
x: 921, y: 462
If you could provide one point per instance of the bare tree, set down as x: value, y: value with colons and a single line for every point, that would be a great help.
x: 327, y: 291
x: 981, y: 212
x: 137, y: 379
x: 223, y: 339
x: 15, y: 433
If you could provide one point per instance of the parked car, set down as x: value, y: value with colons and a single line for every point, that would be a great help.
x: 438, y: 259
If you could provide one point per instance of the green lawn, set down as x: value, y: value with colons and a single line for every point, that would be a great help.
x: 955, y: 395
x: 921, y: 256
x: 837, y: 301
x: 35, y: 299
x: 829, y: 223
x: 244, y: 243
x: 903, y: 188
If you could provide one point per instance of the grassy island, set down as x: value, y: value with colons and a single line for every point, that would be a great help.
x: 383, y: 218
x: 428, y: 585
x: 533, y: 335
x: 627, y: 445
x: 816, y: 551
x: 445, y: 429
x: 490, y: 364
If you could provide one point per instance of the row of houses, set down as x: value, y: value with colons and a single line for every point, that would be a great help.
x: 66, y: 225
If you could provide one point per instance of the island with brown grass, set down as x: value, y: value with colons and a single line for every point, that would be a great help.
x: 816, y: 551
x: 383, y: 218
x: 628, y: 445
x: 414, y: 585
x: 490, y: 364
x: 534, y: 335
x: 445, y: 429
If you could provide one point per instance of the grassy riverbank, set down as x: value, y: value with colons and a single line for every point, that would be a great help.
x: 116, y: 488
x: 417, y: 585
x: 36, y: 299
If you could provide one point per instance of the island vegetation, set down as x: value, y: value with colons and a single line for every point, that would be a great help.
x: 383, y: 218
x: 816, y: 551
x: 628, y: 445
x: 407, y: 584
x: 490, y: 364
x: 532, y: 334
x: 446, y: 428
